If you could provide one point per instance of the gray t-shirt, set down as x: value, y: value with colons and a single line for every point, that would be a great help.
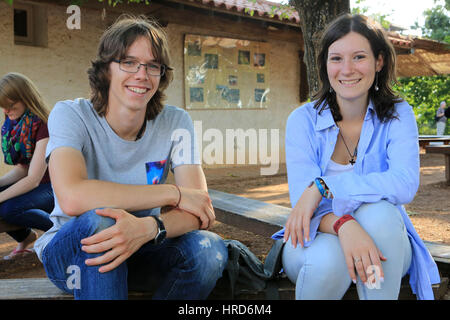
x: 168, y: 141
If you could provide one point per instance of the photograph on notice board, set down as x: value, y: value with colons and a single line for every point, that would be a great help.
x: 260, y: 95
x: 259, y: 59
x: 232, y: 80
x: 244, y: 57
x: 260, y: 77
x: 211, y: 61
x: 196, y: 94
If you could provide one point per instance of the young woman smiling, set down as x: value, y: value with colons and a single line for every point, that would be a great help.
x: 353, y: 160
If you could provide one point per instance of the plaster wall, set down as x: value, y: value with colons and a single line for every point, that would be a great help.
x: 59, y: 71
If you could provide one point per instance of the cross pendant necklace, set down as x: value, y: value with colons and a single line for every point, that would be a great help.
x: 355, y: 153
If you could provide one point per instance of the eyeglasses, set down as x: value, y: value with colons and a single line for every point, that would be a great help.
x: 133, y: 66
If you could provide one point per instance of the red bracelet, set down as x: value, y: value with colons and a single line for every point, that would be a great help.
x: 339, y: 222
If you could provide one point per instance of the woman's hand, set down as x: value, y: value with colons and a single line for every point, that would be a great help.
x: 119, y: 241
x: 297, y: 225
x: 198, y: 203
x: 360, y: 251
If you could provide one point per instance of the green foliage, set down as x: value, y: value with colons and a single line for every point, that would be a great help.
x: 424, y: 94
x: 78, y: 2
x: 283, y: 9
x: 116, y: 2
x: 437, y: 23
x: 360, y: 8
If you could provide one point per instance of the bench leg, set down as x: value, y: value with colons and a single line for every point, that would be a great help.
x: 447, y: 168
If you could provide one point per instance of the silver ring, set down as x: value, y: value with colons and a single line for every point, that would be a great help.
x: 357, y: 259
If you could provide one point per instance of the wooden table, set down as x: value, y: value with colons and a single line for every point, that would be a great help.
x: 425, y: 140
x: 445, y: 150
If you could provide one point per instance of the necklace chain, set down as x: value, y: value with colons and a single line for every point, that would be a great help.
x: 355, y: 153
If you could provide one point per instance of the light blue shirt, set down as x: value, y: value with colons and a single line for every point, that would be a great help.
x: 387, y: 168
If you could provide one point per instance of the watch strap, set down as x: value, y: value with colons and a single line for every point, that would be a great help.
x: 161, y: 231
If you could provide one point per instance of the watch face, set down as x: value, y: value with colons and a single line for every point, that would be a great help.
x: 161, y: 235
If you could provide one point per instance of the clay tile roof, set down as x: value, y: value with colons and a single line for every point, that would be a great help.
x: 415, y: 56
x: 400, y: 40
x: 260, y: 7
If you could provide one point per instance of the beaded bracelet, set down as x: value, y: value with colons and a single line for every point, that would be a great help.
x: 324, y: 191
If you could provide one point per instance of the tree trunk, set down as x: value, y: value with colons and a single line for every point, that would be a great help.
x: 314, y: 16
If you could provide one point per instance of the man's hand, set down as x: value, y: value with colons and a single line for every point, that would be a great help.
x: 119, y: 241
x: 198, y: 203
x: 194, y: 194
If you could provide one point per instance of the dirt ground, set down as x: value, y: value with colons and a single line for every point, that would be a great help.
x: 430, y: 210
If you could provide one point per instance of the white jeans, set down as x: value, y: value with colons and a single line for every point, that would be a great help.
x: 320, y: 271
x: 440, y: 128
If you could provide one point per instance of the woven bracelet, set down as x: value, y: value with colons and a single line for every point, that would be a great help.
x: 179, y: 198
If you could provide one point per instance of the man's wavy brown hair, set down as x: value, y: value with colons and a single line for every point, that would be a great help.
x: 114, y: 44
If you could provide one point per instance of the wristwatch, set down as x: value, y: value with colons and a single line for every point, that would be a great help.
x: 161, y: 234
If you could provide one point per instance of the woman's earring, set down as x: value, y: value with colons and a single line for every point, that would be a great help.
x: 331, y: 90
x: 376, y: 82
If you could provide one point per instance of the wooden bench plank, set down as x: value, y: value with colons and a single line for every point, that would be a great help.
x: 6, y: 227
x: 43, y: 289
x: 248, y: 214
x: 31, y: 288
x: 439, y: 251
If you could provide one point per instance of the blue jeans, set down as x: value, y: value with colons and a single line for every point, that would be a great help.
x: 186, y: 267
x: 320, y: 271
x: 29, y: 210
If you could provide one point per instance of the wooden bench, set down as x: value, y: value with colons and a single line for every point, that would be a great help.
x: 445, y: 150
x: 249, y: 215
x: 424, y: 140
x: 6, y: 227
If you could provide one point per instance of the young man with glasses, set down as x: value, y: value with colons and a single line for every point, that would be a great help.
x: 108, y: 159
